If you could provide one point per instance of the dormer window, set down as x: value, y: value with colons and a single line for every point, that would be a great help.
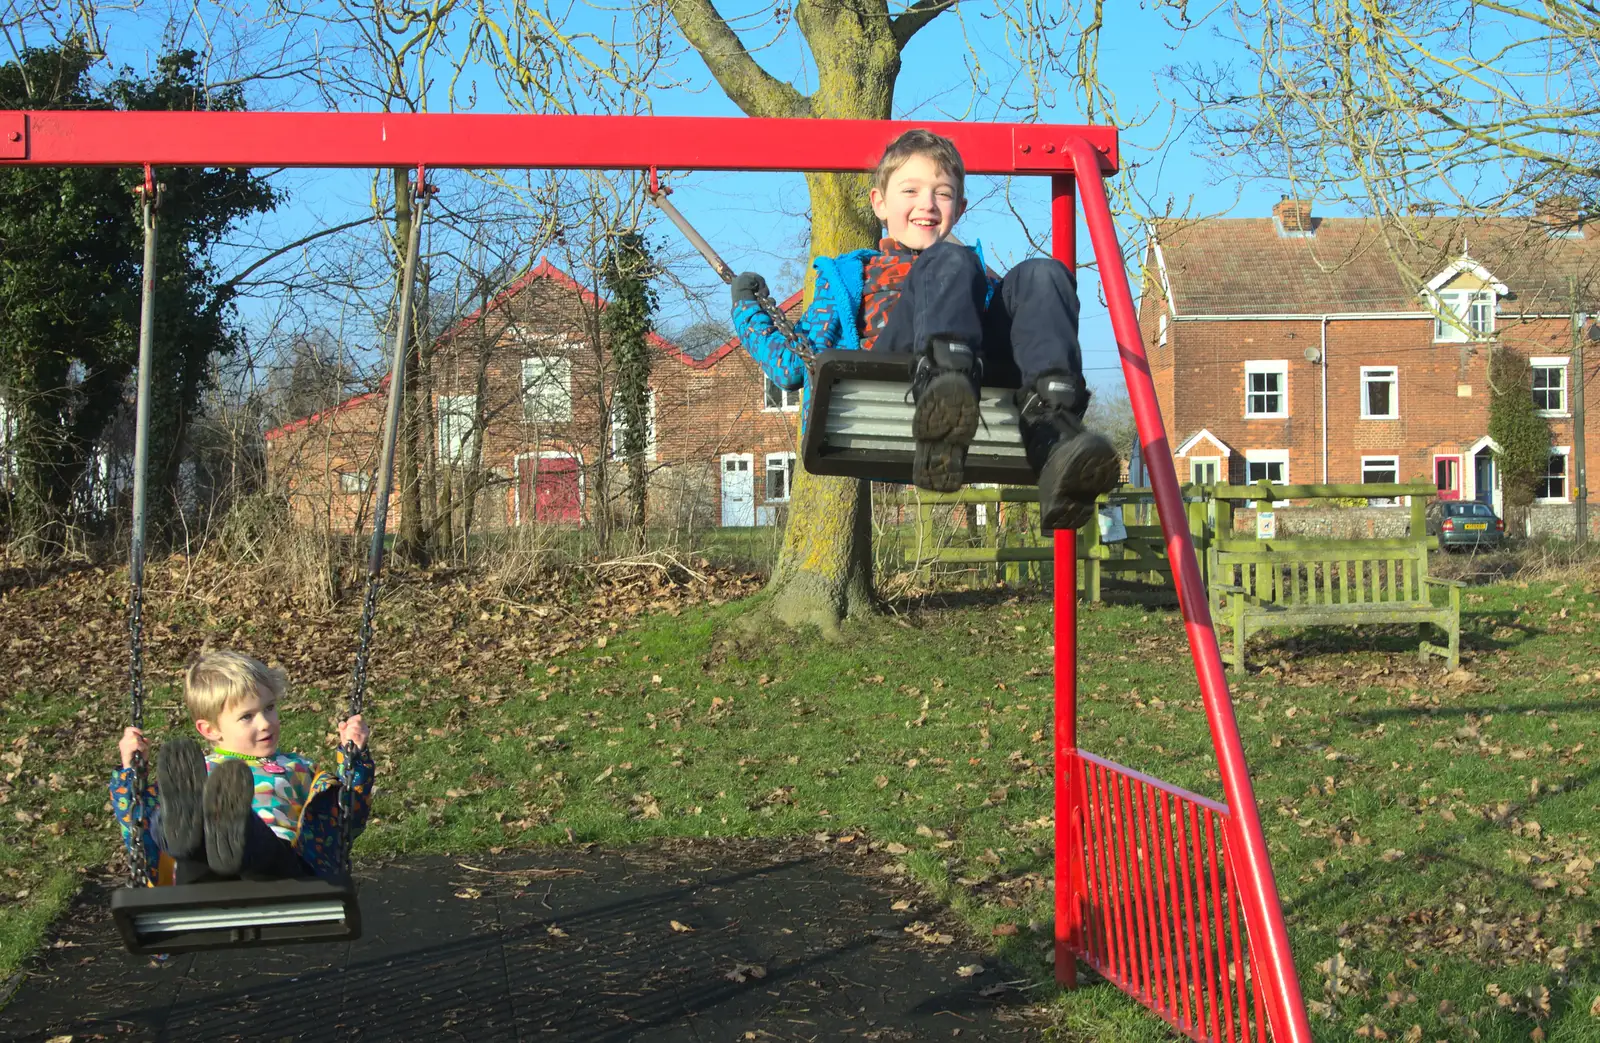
x: 1463, y: 298
x: 1472, y: 312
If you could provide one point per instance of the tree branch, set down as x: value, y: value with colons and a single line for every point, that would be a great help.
x: 919, y: 14
x: 297, y: 244
x: 751, y: 87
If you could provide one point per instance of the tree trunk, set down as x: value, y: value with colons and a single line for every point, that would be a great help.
x: 410, y: 540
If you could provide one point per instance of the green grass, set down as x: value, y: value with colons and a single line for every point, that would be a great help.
x: 1437, y: 831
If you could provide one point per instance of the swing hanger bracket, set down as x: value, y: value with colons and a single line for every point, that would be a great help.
x: 657, y: 189
x: 14, y: 136
x: 422, y: 185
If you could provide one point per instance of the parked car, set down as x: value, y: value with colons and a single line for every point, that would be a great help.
x: 1464, y: 523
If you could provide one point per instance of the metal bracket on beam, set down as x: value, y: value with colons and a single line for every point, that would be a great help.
x: 14, y: 136
x: 1040, y: 149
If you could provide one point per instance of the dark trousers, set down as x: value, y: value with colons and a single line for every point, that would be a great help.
x: 1028, y: 330
x: 267, y: 856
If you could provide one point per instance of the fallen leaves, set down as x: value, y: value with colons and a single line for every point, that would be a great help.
x: 680, y: 928
x: 744, y: 971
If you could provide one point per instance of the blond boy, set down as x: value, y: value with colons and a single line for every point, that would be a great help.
x: 247, y: 809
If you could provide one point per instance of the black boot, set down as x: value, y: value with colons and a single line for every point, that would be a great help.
x: 182, y: 778
x: 268, y: 856
x: 230, y: 791
x: 1075, y: 465
x: 944, y: 385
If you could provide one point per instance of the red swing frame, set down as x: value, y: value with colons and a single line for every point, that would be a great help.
x: 1150, y: 879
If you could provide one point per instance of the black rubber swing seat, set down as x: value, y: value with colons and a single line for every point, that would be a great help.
x: 232, y: 914
x: 858, y: 423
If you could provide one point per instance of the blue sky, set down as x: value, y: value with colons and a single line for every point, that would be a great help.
x: 758, y: 221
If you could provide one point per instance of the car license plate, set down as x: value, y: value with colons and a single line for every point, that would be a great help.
x: 1477, y: 525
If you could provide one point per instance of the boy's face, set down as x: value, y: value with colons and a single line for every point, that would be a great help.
x: 920, y: 204
x: 248, y: 726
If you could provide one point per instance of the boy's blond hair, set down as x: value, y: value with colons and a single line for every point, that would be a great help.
x: 218, y: 680
x: 936, y: 147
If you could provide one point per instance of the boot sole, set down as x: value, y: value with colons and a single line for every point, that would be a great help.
x: 1088, y: 466
x: 944, y: 423
x: 230, y: 792
x: 182, y: 777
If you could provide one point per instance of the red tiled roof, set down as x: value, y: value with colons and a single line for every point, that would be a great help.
x: 1246, y: 266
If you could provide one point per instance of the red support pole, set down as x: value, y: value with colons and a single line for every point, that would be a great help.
x: 1069, y: 806
x: 1258, y: 889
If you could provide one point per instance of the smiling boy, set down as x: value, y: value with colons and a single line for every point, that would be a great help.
x: 920, y: 293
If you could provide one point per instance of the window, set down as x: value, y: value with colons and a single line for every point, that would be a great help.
x: 1472, y: 311
x: 1553, y: 486
x: 779, y: 398
x: 458, y: 416
x: 354, y: 481
x: 1380, y: 470
x: 619, y: 428
x: 1203, y: 470
x: 1267, y: 465
x: 547, y: 389
x: 1161, y: 329
x: 1380, y: 393
x: 1549, y: 386
x: 1266, y: 389
x: 780, y: 476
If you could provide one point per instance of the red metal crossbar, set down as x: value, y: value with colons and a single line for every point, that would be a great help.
x: 1151, y: 881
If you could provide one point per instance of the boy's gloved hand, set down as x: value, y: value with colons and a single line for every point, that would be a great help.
x: 748, y: 286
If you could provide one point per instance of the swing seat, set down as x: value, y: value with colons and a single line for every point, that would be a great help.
x: 858, y: 423
x: 233, y: 914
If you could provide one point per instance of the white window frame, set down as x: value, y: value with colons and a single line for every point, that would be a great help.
x: 1560, y: 363
x: 1390, y: 462
x: 1161, y: 330
x: 547, y: 389
x: 1374, y: 375
x: 355, y: 483
x: 1199, y: 461
x: 788, y: 401
x: 786, y: 464
x: 1463, y: 304
x: 1565, y: 452
x: 1266, y: 456
x: 446, y: 408
x: 1279, y: 368
x: 650, y: 428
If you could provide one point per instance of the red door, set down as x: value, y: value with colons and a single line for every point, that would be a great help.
x: 555, y: 489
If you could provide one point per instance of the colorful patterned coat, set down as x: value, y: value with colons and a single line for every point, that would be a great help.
x: 316, y: 834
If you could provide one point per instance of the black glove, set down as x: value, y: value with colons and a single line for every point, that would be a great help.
x: 748, y: 286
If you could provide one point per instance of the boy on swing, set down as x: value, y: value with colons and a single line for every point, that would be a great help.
x: 920, y: 294
x: 247, y: 810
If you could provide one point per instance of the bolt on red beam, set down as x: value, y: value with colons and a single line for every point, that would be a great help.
x: 1259, y: 892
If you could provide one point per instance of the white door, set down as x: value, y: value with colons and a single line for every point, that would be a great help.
x: 738, y: 490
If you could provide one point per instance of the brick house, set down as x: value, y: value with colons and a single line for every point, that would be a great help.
x: 1305, y: 349
x: 521, y: 417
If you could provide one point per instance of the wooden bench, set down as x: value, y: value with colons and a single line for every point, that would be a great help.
x: 1257, y: 584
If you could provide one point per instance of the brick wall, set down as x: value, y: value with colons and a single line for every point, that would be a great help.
x: 1443, y: 394
x: 702, y: 410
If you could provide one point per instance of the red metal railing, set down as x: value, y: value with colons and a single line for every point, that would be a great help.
x: 1159, y: 904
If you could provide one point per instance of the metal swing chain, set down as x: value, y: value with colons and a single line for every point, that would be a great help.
x: 420, y: 192
x: 657, y: 193
x: 150, y: 196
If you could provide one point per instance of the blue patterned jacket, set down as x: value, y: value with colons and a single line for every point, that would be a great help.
x: 832, y: 322
x: 316, y: 836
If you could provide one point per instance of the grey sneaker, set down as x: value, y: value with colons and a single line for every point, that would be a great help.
x: 230, y: 791
x: 944, y: 386
x: 182, y: 777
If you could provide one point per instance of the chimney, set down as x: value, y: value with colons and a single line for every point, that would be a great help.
x: 1560, y: 214
x: 1294, y: 215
